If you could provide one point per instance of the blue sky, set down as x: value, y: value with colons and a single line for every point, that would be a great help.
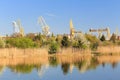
x: 85, y: 14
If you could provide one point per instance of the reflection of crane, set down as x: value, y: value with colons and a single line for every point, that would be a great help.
x: 45, y: 27
x: 72, y: 30
x: 18, y: 29
x: 100, y: 31
x: 43, y: 69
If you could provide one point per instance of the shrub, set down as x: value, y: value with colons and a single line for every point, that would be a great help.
x: 113, y: 38
x: 2, y: 43
x: 20, y: 42
x: 102, y: 38
x: 94, y: 46
x: 80, y: 41
x: 65, y: 41
x: 91, y: 38
x: 54, y: 47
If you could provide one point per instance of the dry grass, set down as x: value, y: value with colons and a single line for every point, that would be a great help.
x: 109, y: 49
x: 15, y: 52
x: 71, y: 51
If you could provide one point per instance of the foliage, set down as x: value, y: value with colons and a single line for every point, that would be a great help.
x: 38, y: 40
x: 80, y: 41
x: 65, y: 42
x: 94, y: 46
x: 102, y: 38
x: 53, y: 48
x: 113, y: 38
x: 2, y: 43
x: 20, y: 43
x: 91, y: 38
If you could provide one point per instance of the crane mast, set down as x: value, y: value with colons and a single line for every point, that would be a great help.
x: 72, y: 30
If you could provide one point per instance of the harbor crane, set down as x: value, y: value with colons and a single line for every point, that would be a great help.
x: 72, y: 30
x: 44, y: 26
x: 17, y: 28
x: 100, y: 31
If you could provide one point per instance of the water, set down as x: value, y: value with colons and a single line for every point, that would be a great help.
x: 61, y: 68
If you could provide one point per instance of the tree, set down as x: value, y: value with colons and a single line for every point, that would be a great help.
x: 80, y: 41
x: 20, y: 42
x: 65, y: 41
x: 113, y: 38
x: 102, y: 38
x: 54, y: 47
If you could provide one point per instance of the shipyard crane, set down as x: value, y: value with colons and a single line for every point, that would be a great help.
x: 17, y: 28
x: 72, y: 30
x: 100, y: 31
x: 21, y: 30
x: 44, y: 26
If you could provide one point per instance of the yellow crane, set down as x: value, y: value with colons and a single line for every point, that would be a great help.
x: 72, y: 30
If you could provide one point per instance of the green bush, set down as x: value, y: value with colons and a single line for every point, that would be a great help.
x: 65, y: 42
x: 54, y: 47
x: 80, y: 41
x: 91, y: 38
x: 2, y: 43
x: 20, y: 42
x: 94, y: 46
x: 113, y: 38
x: 102, y: 38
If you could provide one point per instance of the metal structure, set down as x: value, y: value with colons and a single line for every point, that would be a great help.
x: 17, y: 28
x: 100, y: 31
x: 44, y: 26
x: 72, y: 30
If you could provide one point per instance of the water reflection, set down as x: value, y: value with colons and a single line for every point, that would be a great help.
x: 67, y: 63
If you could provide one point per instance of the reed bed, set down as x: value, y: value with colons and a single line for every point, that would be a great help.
x: 109, y: 49
x: 15, y: 52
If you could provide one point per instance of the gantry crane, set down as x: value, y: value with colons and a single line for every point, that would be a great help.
x: 100, y: 31
x: 44, y: 26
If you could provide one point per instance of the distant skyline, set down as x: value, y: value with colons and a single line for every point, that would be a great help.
x: 85, y: 14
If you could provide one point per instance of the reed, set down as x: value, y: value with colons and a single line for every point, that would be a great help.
x: 109, y: 49
x: 15, y: 52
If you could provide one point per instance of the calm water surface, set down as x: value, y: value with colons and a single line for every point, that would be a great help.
x: 61, y: 68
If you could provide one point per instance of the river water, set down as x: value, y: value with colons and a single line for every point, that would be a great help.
x: 61, y: 68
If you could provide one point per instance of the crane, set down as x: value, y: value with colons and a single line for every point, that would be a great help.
x: 44, y: 26
x: 100, y: 31
x: 72, y: 30
x: 17, y: 27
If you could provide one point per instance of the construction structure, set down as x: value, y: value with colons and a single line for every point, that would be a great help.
x: 17, y: 28
x: 72, y: 30
x: 44, y: 26
x: 100, y: 32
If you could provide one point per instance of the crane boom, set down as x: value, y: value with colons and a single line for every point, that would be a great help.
x: 44, y: 26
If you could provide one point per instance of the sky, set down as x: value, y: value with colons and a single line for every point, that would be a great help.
x: 85, y: 14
